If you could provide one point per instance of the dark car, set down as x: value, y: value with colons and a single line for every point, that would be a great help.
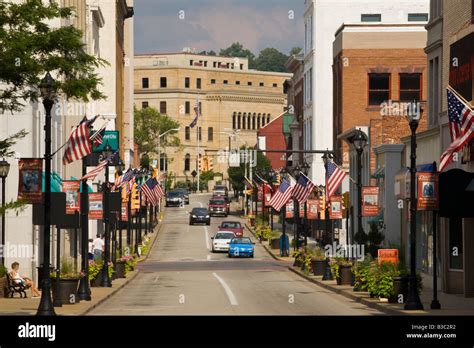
x: 185, y: 193
x: 218, y: 206
x: 199, y: 215
x: 174, y: 198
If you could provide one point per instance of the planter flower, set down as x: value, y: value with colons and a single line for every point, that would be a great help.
x: 318, y: 260
x: 341, y: 269
x: 68, y: 283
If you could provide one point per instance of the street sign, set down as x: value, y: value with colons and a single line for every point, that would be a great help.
x: 427, y: 191
x: 110, y: 137
x: 387, y: 255
x: 95, y: 206
x: 72, y: 188
x: 370, y: 201
x: 194, y: 173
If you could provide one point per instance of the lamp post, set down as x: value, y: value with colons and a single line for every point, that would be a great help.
x: 284, y: 247
x: 305, y: 169
x: 48, y: 92
x: 327, y: 272
x: 106, y: 282
x: 296, y: 210
x: 413, y: 300
x: 359, y: 141
x: 4, y: 169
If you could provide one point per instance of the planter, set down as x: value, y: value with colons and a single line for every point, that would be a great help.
x: 275, y: 244
x: 297, y: 263
x: 95, y: 283
x: 3, y: 287
x: 119, y: 270
x: 400, y: 287
x: 345, y: 275
x: 318, y: 267
x: 67, y: 290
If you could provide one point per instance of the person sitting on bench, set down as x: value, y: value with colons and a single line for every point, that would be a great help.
x: 17, y: 278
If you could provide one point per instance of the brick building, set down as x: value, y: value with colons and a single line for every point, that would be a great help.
x: 271, y: 137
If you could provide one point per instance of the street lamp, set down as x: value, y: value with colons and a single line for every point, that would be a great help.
x: 284, y: 247
x: 413, y: 300
x: 359, y: 140
x: 296, y: 210
x: 327, y: 272
x: 159, y: 148
x: 305, y: 169
x: 4, y: 169
x: 48, y: 92
x: 106, y: 282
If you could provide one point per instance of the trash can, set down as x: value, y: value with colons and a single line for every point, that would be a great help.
x: 284, y: 245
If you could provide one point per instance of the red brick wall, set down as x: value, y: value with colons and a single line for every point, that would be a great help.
x: 274, y: 140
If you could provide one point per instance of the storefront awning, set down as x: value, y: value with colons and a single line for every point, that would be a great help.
x: 456, y: 193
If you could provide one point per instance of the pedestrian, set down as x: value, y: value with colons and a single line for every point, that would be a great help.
x: 98, y: 248
x: 91, y: 249
x: 27, y: 282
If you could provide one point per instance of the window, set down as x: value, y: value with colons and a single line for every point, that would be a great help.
x: 249, y: 83
x: 191, y: 62
x: 199, y: 133
x: 268, y: 118
x: 418, y: 17
x: 241, y: 67
x: 275, y: 85
x: 213, y: 81
x: 163, y: 82
x: 234, y: 121
x: 253, y: 121
x: 244, y: 120
x: 214, y: 64
x: 237, y: 82
x: 187, y: 133
x: 205, y: 63
x: 145, y: 82
x: 248, y: 121
x: 210, y: 134
x: 379, y: 88
x: 162, y: 107
x: 226, y: 82
x: 163, y: 162
x: 198, y: 83
x: 455, y: 243
x: 410, y: 87
x: 262, y: 84
x: 144, y: 105
x: 187, y: 162
x: 258, y: 121
x: 187, y: 107
x: 371, y: 17
x: 186, y: 82
x: 263, y: 120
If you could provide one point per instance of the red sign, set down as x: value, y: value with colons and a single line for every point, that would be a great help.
x: 301, y: 210
x: 312, y: 212
x: 289, y: 209
x: 268, y: 196
x: 388, y: 255
x: 124, y: 212
x: 370, y: 201
x: 72, y: 189
x: 259, y: 193
x: 95, y: 206
x: 427, y: 191
x: 30, y: 183
x: 335, y: 209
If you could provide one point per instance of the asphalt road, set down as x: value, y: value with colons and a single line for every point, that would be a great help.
x: 183, y: 277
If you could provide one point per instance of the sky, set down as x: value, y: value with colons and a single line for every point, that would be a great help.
x: 171, y: 25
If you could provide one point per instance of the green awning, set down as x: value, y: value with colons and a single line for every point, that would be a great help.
x: 288, y: 119
x: 56, y: 182
x: 379, y: 173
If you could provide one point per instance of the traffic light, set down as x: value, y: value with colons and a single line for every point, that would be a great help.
x: 322, y: 206
x: 200, y: 163
x: 135, y: 197
x: 210, y: 164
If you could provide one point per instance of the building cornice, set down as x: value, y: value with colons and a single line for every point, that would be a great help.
x: 220, y: 70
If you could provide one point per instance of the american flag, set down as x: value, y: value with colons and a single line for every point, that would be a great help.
x: 79, y: 144
x: 160, y: 191
x: 303, y: 188
x: 148, y: 189
x: 94, y: 172
x: 98, y: 137
x: 122, y: 179
x: 461, y: 125
x: 334, y: 178
x: 282, y: 195
x: 131, y: 182
x: 197, y: 110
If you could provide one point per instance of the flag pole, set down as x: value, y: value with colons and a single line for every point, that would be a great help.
x: 198, y: 150
x: 460, y: 97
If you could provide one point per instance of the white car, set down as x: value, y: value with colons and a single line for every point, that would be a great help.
x: 221, y: 240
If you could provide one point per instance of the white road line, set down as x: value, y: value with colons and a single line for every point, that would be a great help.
x: 230, y: 294
x: 208, y: 246
x: 156, y: 279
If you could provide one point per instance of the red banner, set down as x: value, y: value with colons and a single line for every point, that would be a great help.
x: 301, y: 210
x: 95, y: 206
x: 259, y: 193
x: 30, y: 183
x: 289, y: 209
x: 124, y: 212
x: 370, y: 201
x: 71, y: 188
x: 335, y: 211
x: 312, y: 212
x: 427, y: 191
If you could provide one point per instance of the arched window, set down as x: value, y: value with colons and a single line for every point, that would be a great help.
x: 253, y: 121
x: 238, y: 120
x: 187, y: 162
x: 234, y: 121
x: 258, y: 121
x: 187, y: 133
x: 263, y: 120
x: 210, y: 134
x: 268, y: 118
x: 244, y: 120
x: 248, y: 121
x: 163, y: 162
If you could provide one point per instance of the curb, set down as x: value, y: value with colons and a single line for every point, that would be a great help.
x: 264, y: 246
x: 372, y: 304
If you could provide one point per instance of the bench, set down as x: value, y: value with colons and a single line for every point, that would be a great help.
x: 13, y: 287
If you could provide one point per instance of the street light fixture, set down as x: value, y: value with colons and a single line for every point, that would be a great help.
x: 4, y: 169
x: 48, y: 92
x: 413, y: 300
x: 359, y: 141
x: 106, y: 282
x: 305, y: 170
x: 327, y: 273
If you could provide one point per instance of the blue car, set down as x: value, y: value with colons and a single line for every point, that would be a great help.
x: 241, y: 247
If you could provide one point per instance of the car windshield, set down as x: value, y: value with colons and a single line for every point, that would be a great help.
x: 241, y: 241
x: 225, y: 235
x: 219, y: 188
x: 174, y: 194
x: 231, y: 224
x: 199, y: 211
x: 217, y: 201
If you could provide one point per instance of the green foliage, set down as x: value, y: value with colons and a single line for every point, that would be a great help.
x: 67, y: 270
x: 7, y: 143
x: 374, y: 238
x: 336, y: 263
x: 145, y: 246
x: 3, y: 271
x: 295, y: 51
x: 317, y: 254
x: 31, y: 47
x: 270, y: 59
x: 307, y: 264
x: 94, y: 269
x: 206, y: 175
x: 263, y: 231
x: 238, y: 50
x: 129, y: 262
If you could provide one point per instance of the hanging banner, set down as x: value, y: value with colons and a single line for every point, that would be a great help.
x: 312, y: 212
x: 427, y: 191
x: 30, y: 183
x: 268, y: 196
x: 71, y: 188
x: 370, y: 201
x: 301, y: 210
x: 95, y: 206
x: 124, y: 193
x: 259, y: 193
x: 335, y: 209
x: 289, y: 209
x: 124, y: 212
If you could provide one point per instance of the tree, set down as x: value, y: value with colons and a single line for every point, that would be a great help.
x: 30, y: 48
x: 237, y: 50
x: 270, y: 59
x: 208, y: 53
x: 295, y: 51
x: 149, y: 124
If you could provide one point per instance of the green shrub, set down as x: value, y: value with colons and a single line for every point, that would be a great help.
x: 3, y: 271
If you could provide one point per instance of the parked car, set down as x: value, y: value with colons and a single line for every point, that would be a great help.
x: 233, y: 226
x: 218, y: 206
x: 220, y: 190
x: 174, y: 198
x: 226, y: 199
x: 220, y: 241
x: 241, y: 247
x: 199, y: 215
x: 185, y: 194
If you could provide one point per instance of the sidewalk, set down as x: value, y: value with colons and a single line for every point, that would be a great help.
x: 29, y: 306
x: 451, y: 304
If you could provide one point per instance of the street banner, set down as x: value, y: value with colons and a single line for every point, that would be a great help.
x: 72, y: 188
x: 268, y: 196
x: 302, y: 210
x: 388, y: 255
x: 124, y: 194
x: 259, y: 193
x: 335, y: 209
x: 289, y: 209
x: 370, y: 201
x: 124, y: 212
x: 95, y: 206
x: 312, y: 212
x: 30, y: 183
x: 427, y: 191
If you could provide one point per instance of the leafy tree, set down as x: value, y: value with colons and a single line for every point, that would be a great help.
x: 270, y: 59
x: 149, y: 124
x: 30, y: 47
x: 238, y: 50
x: 295, y: 51
x: 206, y: 175
x: 209, y: 53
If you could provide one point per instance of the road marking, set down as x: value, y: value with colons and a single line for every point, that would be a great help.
x: 229, y: 293
x: 208, y: 246
x: 156, y: 279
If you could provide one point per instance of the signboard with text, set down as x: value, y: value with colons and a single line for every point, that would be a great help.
x: 124, y: 212
x: 387, y: 255
x: 335, y: 209
x: 370, y: 201
x: 72, y: 188
x: 30, y: 181
x: 289, y: 209
x: 95, y: 206
x: 427, y: 191
x: 312, y: 212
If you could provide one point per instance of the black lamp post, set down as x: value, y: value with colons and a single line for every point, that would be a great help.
x: 284, y: 247
x: 327, y: 238
x: 296, y: 210
x: 359, y: 141
x: 106, y: 282
x: 4, y: 169
x: 305, y: 169
x: 48, y: 92
x: 413, y: 300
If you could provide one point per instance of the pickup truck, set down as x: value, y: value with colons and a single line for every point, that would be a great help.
x: 226, y: 200
x: 218, y: 206
x: 233, y: 226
